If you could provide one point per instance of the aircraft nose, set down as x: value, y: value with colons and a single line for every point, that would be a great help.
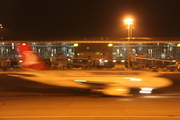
x: 166, y: 82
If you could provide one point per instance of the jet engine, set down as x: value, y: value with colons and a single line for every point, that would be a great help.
x: 116, y: 90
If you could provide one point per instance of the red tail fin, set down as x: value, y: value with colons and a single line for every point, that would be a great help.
x: 29, y: 59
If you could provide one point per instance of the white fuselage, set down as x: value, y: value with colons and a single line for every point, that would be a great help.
x: 79, y: 78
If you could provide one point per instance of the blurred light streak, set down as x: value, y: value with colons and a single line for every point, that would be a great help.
x: 132, y: 79
x: 79, y: 80
x: 146, y: 90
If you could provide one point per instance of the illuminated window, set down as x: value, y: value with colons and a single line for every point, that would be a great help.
x: 170, y: 49
x: 164, y: 51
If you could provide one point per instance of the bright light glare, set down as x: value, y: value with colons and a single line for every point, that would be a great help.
x: 146, y: 90
x: 105, y: 60
x: 20, y: 61
x: 133, y: 79
x: 122, y: 60
x: 114, y: 60
x: 178, y: 45
x: 128, y: 21
x: 24, y: 44
x: 75, y: 45
x: 110, y: 45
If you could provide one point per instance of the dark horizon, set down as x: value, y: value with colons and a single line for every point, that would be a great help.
x: 88, y: 18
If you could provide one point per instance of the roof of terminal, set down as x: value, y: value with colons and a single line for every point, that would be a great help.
x: 100, y: 40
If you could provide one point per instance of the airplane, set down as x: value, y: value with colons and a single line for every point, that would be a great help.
x: 107, y: 82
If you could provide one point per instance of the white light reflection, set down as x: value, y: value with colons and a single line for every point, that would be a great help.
x: 133, y: 79
x: 146, y: 90
x: 160, y: 97
x: 150, y: 89
x: 11, y: 75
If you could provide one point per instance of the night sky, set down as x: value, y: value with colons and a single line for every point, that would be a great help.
x: 34, y: 19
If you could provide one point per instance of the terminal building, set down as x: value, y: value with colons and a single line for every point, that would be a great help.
x: 107, y: 48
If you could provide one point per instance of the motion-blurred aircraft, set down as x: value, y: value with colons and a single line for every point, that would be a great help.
x: 108, y: 82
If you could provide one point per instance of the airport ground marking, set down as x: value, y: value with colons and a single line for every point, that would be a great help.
x: 147, y: 116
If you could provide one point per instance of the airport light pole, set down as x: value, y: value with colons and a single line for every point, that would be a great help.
x: 1, y: 26
x: 129, y: 22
